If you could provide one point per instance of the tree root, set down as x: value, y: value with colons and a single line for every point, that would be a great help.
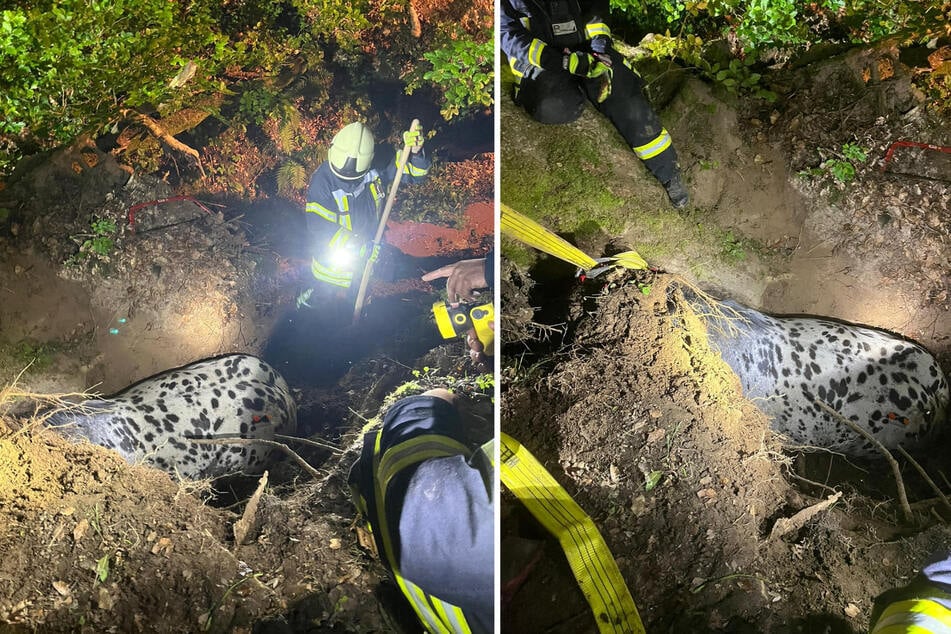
x: 159, y: 131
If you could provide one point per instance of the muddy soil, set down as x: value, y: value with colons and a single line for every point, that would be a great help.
x: 89, y: 543
x: 649, y: 431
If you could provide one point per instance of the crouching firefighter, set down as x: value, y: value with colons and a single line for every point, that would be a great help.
x: 921, y: 607
x: 428, y: 500
x: 346, y: 195
x: 561, y: 55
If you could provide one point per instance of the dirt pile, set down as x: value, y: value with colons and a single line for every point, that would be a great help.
x: 88, y: 543
x: 648, y: 430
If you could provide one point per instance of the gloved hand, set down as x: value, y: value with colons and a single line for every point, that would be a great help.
x: 584, y: 65
x: 601, y: 44
x: 607, y: 79
x: 413, y: 138
x: 372, y: 249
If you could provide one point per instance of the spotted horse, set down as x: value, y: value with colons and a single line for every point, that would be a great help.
x: 891, y: 387
x: 151, y: 422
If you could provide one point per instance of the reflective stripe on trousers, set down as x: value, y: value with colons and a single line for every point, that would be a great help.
x: 438, y: 616
x: 653, y: 147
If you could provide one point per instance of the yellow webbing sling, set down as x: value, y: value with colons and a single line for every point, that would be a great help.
x: 590, y: 560
x: 526, y: 230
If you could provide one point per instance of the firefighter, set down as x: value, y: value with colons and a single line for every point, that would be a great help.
x: 561, y: 55
x: 429, y: 502
x: 922, y: 607
x: 345, y: 200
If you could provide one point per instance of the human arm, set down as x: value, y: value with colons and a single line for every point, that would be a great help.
x: 464, y: 277
x: 519, y: 44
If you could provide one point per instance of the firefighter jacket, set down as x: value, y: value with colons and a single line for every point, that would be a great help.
x: 922, y: 607
x: 535, y: 33
x: 427, y: 498
x: 342, y: 216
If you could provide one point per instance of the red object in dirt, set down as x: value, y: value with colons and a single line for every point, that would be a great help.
x: 897, y: 144
x: 160, y: 201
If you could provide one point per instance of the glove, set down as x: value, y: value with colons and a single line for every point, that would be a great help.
x: 414, y: 139
x: 606, y: 80
x: 584, y: 65
x: 601, y: 44
x: 371, y: 248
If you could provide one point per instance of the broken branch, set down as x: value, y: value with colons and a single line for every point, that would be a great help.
x: 896, y: 471
x: 254, y: 441
x: 924, y: 474
x: 163, y: 135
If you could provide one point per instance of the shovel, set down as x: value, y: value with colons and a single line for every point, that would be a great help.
x: 368, y: 269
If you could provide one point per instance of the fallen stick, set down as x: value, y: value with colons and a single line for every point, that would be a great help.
x: 308, y: 441
x: 896, y: 471
x: 243, y: 527
x: 788, y: 524
x: 254, y: 441
x: 924, y: 474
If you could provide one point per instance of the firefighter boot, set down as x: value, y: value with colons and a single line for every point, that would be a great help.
x: 677, y: 192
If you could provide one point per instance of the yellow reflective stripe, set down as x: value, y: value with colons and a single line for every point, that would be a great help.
x: 417, y: 449
x: 323, y: 212
x: 450, y: 615
x: 345, y: 222
x: 914, y: 615
x: 533, y: 234
x: 535, y: 53
x: 515, y: 71
x: 330, y: 275
x: 597, y: 28
x: 436, y: 626
x: 525, y: 21
x: 653, y: 148
x: 385, y: 466
x: 341, y: 238
x: 376, y: 191
x: 411, y: 169
x: 589, y: 557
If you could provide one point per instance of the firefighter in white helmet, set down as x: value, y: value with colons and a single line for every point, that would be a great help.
x: 345, y: 200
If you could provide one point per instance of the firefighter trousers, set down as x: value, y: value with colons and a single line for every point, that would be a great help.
x: 557, y: 97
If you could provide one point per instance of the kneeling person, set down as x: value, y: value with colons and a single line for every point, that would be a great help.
x: 428, y: 500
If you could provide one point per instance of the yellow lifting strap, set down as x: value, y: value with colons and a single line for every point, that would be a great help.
x: 533, y: 234
x: 590, y: 560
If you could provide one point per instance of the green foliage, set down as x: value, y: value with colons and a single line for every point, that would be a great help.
x: 71, y: 66
x: 463, y: 70
x: 36, y: 354
x: 256, y: 104
x: 102, y: 568
x: 97, y: 245
x: 291, y: 178
x: 732, y: 248
x: 759, y: 24
x: 652, y: 479
x: 842, y: 171
x: 854, y: 152
x: 842, y: 166
x: 738, y: 77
